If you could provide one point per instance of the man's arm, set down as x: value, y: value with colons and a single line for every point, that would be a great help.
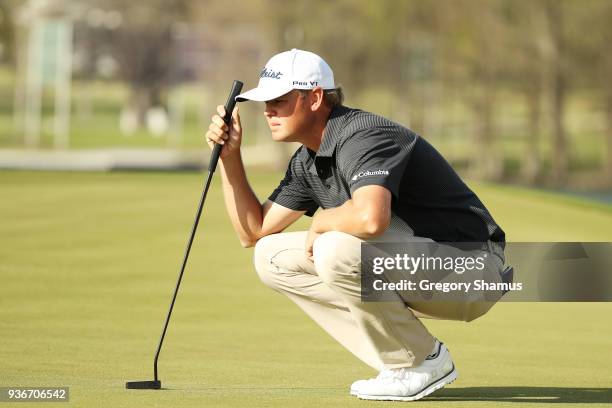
x: 250, y: 219
x: 366, y: 215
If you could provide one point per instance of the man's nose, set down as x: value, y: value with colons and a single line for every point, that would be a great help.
x: 269, y: 112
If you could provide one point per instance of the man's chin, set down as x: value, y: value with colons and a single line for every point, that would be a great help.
x: 279, y: 136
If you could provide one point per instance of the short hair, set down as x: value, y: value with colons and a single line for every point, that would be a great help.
x: 331, y: 97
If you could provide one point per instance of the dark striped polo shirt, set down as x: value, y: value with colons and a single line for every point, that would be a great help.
x: 359, y: 149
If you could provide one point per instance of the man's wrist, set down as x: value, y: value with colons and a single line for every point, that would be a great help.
x: 231, y: 159
x: 316, y: 225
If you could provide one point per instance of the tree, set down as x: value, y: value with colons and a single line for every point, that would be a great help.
x: 527, y: 73
x: 7, y: 30
x: 556, y: 86
x: 600, y: 64
x: 142, y: 45
x: 475, y: 39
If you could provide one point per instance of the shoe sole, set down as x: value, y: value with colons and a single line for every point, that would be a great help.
x: 447, y: 379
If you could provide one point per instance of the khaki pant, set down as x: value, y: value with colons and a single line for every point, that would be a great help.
x: 381, y: 334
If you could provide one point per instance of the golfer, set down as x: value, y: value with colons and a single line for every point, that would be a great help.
x: 360, y: 177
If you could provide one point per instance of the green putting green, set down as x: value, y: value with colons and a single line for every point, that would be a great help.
x: 88, y: 262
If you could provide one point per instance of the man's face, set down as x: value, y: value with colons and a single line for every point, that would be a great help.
x: 288, y: 116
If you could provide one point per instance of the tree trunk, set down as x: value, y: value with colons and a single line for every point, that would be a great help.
x: 609, y: 140
x: 558, y: 85
x: 560, y: 159
x: 486, y: 164
x: 532, y: 165
x: 143, y: 98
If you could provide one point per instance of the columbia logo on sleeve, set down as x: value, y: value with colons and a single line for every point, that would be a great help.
x: 369, y: 173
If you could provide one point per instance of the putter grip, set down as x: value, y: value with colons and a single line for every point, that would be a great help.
x: 229, y: 108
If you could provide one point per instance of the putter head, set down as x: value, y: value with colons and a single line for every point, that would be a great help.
x: 143, y: 385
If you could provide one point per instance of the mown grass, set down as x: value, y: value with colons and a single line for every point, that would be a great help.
x: 88, y: 263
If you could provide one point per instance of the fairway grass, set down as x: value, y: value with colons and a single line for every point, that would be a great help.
x: 88, y: 262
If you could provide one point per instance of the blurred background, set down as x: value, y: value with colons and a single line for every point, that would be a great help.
x: 509, y: 91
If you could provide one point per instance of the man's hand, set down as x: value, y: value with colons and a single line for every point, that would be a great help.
x: 310, y: 237
x: 218, y: 132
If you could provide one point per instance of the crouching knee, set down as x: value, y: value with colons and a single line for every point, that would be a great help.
x: 278, y: 257
x: 337, y: 257
x: 265, y: 249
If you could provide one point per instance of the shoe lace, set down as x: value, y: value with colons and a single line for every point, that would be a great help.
x: 394, y: 373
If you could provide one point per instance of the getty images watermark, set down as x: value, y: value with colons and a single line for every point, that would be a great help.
x: 488, y: 271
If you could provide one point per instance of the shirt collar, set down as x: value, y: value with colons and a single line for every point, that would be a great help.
x: 333, y: 128
x: 331, y: 136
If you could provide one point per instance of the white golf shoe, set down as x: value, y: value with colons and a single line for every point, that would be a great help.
x: 356, y: 385
x: 409, y: 384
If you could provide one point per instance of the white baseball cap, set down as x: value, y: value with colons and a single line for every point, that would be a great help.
x: 295, y: 69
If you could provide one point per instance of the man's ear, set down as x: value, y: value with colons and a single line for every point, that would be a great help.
x: 316, y: 98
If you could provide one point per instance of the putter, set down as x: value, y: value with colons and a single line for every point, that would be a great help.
x: 212, y: 165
